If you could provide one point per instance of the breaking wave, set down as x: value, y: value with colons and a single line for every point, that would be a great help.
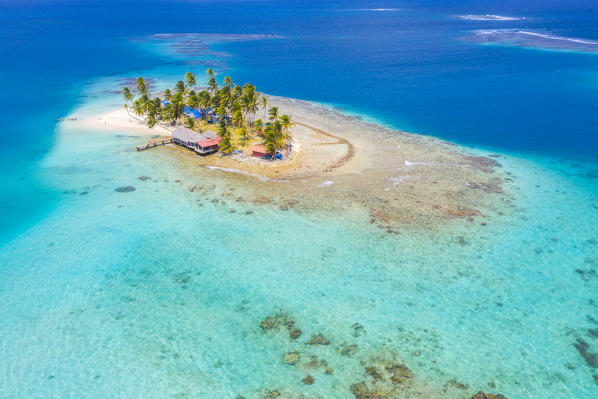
x: 376, y: 9
x: 530, y: 39
x: 488, y: 17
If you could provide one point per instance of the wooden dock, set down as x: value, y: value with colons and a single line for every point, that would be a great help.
x: 155, y: 143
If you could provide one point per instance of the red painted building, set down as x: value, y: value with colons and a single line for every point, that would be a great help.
x: 208, y: 146
x: 259, y: 151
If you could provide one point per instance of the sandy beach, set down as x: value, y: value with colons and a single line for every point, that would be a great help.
x: 341, y: 162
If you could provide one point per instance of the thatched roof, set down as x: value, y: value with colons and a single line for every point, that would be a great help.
x: 183, y: 134
x: 209, y: 135
x: 187, y: 135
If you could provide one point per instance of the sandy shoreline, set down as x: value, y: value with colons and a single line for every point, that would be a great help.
x: 392, y: 177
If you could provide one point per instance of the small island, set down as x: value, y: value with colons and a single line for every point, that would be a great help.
x: 321, y: 158
x: 216, y: 119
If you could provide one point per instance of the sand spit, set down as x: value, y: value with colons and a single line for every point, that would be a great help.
x: 340, y: 162
x: 122, y: 121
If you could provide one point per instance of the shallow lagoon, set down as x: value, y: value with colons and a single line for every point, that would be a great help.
x: 160, y: 292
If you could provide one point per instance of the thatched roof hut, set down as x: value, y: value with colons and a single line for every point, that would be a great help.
x: 184, y: 136
x: 189, y: 138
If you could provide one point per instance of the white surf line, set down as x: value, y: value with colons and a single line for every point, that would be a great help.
x: 563, y: 38
x: 325, y: 184
x: 410, y: 164
x: 535, y: 34
x: 242, y: 172
x: 489, y: 17
x: 375, y: 9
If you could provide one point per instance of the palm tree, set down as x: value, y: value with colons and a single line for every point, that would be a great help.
x: 248, y: 88
x: 249, y: 102
x: 210, y: 73
x: 142, y: 86
x: 215, y: 101
x: 244, y: 135
x: 286, y: 122
x: 152, y: 108
x: 228, y: 82
x: 273, y: 114
x: 237, y: 92
x: 138, y: 108
x: 226, y: 97
x: 204, y: 100
x: 167, y: 94
x: 127, y: 96
x: 212, y: 85
x: 193, y: 100
x: 264, y: 103
x: 258, y: 125
x: 189, y: 123
x: 179, y: 87
x: 225, y: 145
x: 144, y: 100
x: 238, y: 118
x: 190, y: 79
x: 174, y: 110
x: 151, y: 122
x: 273, y: 137
x: 221, y: 112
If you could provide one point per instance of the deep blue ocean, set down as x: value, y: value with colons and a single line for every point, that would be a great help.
x: 417, y: 66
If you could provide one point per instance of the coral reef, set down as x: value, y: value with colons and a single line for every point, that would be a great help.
x: 358, y: 330
x: 281, y: 320
x: 316, y: 363
x: 584, y: 350
x: 482, y: 395
x: 399, y: 373
x: 383, y: 373
x: 291, y: 358
x: 318, y: 339
x: 348, y: 350
x: 125, y: 189
x: 308, y: 380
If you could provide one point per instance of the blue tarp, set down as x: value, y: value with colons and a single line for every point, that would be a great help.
x: 192, y: 112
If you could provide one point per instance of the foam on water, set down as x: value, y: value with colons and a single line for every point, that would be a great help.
x: 489, y: 17
x: 378, y: 9
x: 325, y: 183
x: 533, y: 39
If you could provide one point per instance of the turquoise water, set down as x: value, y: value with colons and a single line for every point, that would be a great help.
x: 148, y: 294
x: 159, y: 292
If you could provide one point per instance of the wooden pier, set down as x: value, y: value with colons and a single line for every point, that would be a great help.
x: 155, y: 143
